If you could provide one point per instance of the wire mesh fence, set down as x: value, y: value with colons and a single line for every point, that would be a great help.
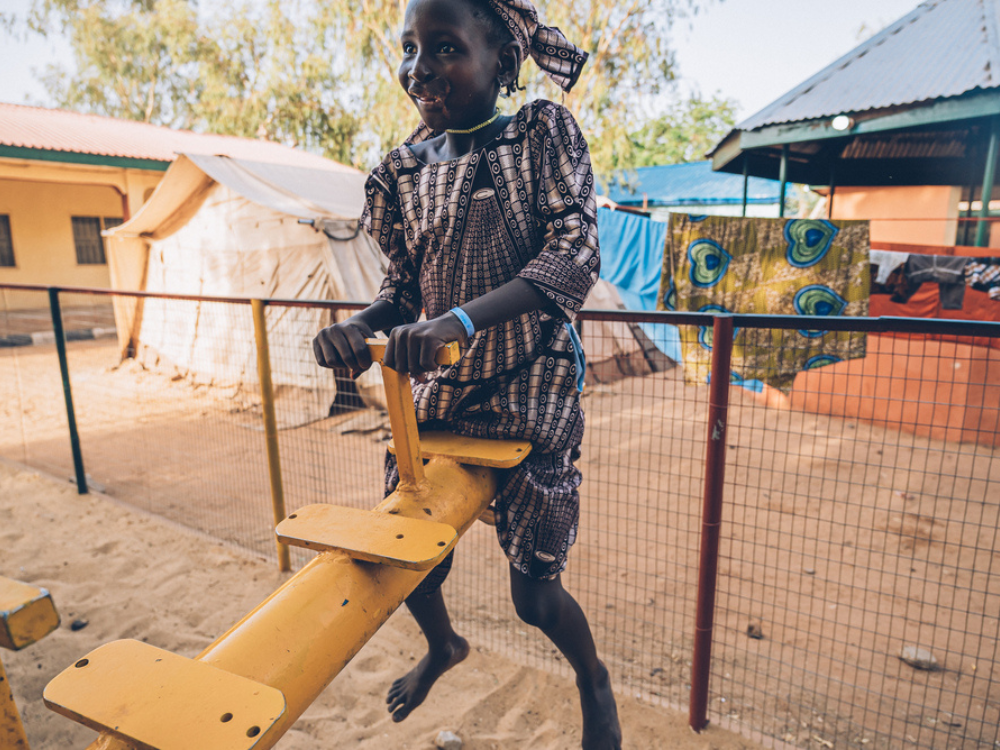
x: 859, y: 517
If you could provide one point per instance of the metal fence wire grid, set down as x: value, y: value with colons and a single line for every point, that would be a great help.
x: 815, y: 565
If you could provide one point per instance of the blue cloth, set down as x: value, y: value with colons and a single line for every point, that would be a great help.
x: 631, y: 260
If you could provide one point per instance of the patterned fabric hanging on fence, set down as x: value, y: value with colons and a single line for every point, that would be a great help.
x: 767, y: 267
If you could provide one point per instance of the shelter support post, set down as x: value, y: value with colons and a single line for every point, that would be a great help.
x: 833, y: 190
x: 989, y: 173
x: 711, y: 521
x: 270, y: 426
x: 74, y: 435
x: 783, y: 178
x: 746, y: 182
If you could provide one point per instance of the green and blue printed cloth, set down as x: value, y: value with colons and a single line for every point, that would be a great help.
x: 769, y: 267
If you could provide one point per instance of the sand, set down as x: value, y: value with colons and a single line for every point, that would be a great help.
x: 131, y: 575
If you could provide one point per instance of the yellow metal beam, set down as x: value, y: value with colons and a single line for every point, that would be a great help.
x: 12, y: 736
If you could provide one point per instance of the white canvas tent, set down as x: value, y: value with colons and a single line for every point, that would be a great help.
x: 218, y: 226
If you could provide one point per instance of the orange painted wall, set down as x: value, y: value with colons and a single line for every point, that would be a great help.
x: 934, y: 209
x: 941, y: 389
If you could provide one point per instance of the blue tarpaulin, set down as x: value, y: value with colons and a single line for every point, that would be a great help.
x: 631, y: 260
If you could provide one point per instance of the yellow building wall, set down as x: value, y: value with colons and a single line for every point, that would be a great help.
x: 933, y: 208
x: 40, y: 199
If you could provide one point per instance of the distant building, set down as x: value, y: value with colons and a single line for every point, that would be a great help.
x: 65, y: 177
x: 903, y: 130
x: 695, y: 189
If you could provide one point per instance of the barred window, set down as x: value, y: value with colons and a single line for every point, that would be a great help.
x: 6, y: 245
x: 88, y: 240
x: 110, y: 222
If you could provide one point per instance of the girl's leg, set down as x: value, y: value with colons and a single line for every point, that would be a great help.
x: 549, y: 607
x: 445, y: 649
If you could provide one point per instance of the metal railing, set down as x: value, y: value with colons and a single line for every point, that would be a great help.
x: 777, y: 562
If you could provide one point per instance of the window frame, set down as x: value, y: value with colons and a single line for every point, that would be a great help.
x: 8, y: 251
x: 89, y: 257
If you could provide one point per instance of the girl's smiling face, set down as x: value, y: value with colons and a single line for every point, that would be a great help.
x: 450, y: 70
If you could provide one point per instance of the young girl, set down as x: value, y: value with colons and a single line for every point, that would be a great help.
x: 489, y: 225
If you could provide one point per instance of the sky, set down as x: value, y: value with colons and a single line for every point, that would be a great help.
x: 752, y: 51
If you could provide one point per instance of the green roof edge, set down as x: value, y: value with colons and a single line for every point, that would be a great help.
x: 76, y: 157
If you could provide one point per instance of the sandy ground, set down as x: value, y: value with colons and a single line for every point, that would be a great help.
x: 134, y: 576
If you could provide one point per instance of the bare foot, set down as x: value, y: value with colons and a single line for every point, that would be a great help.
x: 409, y: 691
x: 601, y: 730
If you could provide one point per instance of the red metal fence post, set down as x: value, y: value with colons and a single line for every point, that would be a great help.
x: 711, y: 520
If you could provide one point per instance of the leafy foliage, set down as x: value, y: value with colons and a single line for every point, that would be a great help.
x: 685, y: 133
x: 321, y: 73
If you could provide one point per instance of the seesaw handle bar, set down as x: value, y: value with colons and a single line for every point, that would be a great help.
x: 448, y: 354
x: 402, y: 415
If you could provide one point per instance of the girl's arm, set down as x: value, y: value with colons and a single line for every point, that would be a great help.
x: 411, y: 348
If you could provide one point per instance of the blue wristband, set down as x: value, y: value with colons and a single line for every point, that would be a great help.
x: 464, y: 319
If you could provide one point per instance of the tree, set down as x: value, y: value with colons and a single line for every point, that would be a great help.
x: 321, y: 73
x: 133, y: 59
x: 249, y: 69
x: 685, y: 133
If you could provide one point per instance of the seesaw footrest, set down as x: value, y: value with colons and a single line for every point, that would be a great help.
x: 162, y: 701
x: 399, y: 541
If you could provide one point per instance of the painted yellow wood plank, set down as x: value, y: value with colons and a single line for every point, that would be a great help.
x: 27, y: 614
x: 399, y: 541
x: 162, y: 701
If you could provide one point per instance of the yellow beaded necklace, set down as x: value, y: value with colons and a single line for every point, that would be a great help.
x: 480, y: 126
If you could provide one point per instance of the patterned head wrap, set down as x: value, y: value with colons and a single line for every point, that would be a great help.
x: 561, y: 60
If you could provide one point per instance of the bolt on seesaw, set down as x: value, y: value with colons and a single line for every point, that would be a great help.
x: 247, y: 688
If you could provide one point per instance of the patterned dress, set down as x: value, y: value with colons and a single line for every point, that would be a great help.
x: 521, y: 206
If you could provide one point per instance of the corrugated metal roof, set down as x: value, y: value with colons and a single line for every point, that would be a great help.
x: 61, y: 130
x: 941, y: 49
x: 682, y: 184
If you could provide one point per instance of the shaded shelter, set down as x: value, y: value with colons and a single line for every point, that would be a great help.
x: 693, y: 188
x: 917, y: 104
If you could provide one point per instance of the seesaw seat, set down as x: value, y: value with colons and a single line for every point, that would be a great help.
x: 411, y: 543
x: 496, y: 454
x: 163, y: 701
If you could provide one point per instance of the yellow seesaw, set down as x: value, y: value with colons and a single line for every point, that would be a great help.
x: 27, y: 614
x: 247, y: 689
